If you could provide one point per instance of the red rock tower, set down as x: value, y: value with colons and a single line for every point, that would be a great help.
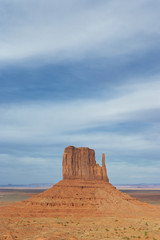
x: 80, y: 163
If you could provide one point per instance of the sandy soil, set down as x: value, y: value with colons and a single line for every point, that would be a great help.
x: 117, y: 216
x: 79, y: 228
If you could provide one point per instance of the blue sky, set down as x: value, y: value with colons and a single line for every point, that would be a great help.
x: 82, y: 73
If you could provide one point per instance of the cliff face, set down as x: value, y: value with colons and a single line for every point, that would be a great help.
x: 80, y: 163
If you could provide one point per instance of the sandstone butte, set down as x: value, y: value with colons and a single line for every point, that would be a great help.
x: 84, y: 191
x: 80, y: 163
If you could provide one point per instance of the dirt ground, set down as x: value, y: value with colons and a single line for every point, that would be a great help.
x: 78, y: 228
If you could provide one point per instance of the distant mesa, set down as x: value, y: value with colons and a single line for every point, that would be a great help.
x: 80, y: 163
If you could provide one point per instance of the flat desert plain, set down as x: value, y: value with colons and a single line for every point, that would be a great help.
x: 77, y: 228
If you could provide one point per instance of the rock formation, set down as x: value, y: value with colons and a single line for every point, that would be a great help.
x: 85, y: 190
x: 80, y: 163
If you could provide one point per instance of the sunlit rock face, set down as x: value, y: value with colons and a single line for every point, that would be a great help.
x: 80, y: 163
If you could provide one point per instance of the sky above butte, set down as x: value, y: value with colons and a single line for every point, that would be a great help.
x: 82, y: 73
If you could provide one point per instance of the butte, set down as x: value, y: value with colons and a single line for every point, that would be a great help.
x: 84, y: 191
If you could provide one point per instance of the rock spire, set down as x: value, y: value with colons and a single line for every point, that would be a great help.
x: 80, y: 163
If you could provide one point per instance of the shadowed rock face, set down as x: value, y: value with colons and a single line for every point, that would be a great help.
x: 80, y: 163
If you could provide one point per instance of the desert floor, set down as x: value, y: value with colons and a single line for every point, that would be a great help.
x: 83, y: 228
x: 71, y: 228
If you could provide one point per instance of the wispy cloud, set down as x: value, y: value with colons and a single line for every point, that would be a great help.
x: 46, y: 122
x: 59, y: 30
x: 21, y: 169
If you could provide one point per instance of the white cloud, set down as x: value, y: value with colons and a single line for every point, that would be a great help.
x: 10, y: 159
x: 64, y: 122
x: 73, y: 29
x: 16, y: 169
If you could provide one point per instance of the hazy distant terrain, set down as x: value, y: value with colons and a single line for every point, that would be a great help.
x: 48, y: 185
x: 138, y: 186
x: 32, y: 185
x: 8, y: 196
